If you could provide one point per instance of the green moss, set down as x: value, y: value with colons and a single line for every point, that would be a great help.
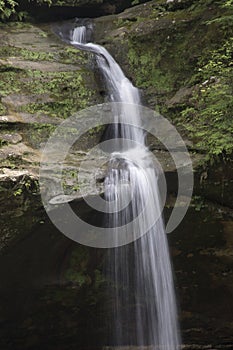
x: 36, y: 56
x: 3, y: 142
x: 67, y: 89
x: 209, y: 120
x: 68, y: 55
x: 10, y: 82
x: 187, y: 47
x: 146, y: 71
x: 70, y: 181
x: 8, y: 51
x: 71, y: 55
x: 64, y: 92
x: 3, y: 109
x: 36, y: 134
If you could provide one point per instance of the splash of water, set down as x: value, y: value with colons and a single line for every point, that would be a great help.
x: 144, y: 308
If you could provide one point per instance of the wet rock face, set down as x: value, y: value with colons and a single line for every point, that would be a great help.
x: 201, y: 249
x: 174, y: 5
x: 42, y: 82
x: 20, y: 204
x: 53, y: 292
x: 216, y: 183
x: 169, y: 49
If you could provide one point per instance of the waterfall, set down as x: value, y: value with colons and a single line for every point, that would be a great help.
x: 140, y: 274
x: 80, y: 35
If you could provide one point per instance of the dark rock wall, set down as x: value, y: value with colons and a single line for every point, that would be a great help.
x: 56, y: 9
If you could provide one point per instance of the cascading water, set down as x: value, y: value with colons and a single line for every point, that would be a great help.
x: 144, y: 307
x: 79, y: 36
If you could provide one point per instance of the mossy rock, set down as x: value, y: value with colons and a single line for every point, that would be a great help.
x: 179, y: 54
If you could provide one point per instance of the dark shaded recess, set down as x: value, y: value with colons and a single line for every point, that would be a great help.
x: 64, y: 30
x: 203, y: 278
x: 54, y: 13
x: 39, y: 307
x: 179, y: 5
x: 218, y: 185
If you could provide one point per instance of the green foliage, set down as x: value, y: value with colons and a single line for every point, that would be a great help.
x: 9, y: 83
x: 66, y: 90
x: 162, y: 62
x: 7, y: 8
x: 68, y: 85
x: 198, y: 203
x: 3, y: 142
x: 225, y: 20
x: 18, y: 192
x: 26, y: 185
x: 228, y: 4
x: 69, y: 55
x: 2, y: 109
x: 26, y: 54
x: 39, y: 133
x: 56, y: 94
x: 209, y: 120
x: 146, y: 72
x: 36, y: 55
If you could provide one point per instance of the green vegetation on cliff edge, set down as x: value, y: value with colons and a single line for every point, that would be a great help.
x: 188, y: 50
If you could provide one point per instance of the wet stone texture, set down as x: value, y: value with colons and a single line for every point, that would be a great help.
x: 52, y: 289
x: 42, y: 81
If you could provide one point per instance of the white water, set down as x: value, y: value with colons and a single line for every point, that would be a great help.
x: 79, y: 36
x: 144, y: 308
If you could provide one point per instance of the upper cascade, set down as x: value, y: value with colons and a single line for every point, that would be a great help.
x: 80, y: 35
x: 119, y: 89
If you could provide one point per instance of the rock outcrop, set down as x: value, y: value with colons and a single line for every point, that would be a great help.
x: 179, y: 54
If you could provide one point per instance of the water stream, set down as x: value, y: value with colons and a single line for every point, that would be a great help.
x: 144, y: 309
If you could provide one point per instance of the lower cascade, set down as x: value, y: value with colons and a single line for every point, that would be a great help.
x: 144, y: 311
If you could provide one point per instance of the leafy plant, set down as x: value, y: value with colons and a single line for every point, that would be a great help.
x: 18, y: 192
x: 7, y: 8
x: 209, y: 120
